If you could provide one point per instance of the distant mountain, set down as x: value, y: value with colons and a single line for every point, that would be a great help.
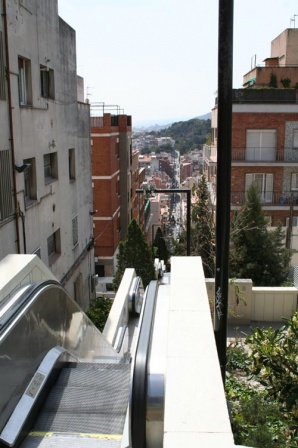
x: 159, y: 125
x: 205, y: 117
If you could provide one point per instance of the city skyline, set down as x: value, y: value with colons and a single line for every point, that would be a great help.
x: 157, y: 59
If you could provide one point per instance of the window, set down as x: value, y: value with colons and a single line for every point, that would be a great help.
x: 30, y: 181
x: 25, y: 86
x: 47, y: 82
x: 261, y: 145
x: 75, y: 232
x: 295, y: 138
x: 294, y: 181
x: 264, y: 183
x: 71, y: 164
x: 6, y: 204
x: 54, y: 246
x: 2, y: 71
x: 50, y: 167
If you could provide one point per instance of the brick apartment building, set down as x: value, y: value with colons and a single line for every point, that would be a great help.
x: 264, y: 135
x: 115, y: 178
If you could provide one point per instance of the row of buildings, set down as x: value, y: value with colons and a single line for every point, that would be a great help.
x: 67, y: 181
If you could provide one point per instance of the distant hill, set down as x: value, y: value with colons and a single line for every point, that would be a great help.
x: 188, y: 135
x: 205, y: 117
x: 157, y: 125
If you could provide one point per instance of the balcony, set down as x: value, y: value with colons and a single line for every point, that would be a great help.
x: 210, y: 154
x: 270, y: 198
x: 254, y: 154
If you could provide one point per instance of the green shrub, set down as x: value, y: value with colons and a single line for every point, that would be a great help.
x: 99, y: 311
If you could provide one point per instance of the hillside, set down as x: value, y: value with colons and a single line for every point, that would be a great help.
x: 188, y: 135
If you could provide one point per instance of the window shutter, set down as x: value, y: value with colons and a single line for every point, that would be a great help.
x: 294, y: 181
x: 248, y: 181
x: 269, y: 188
x: 260, y: 144
x: 295, y: 139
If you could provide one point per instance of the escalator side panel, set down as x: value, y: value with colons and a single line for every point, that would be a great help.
x: 48, y: 319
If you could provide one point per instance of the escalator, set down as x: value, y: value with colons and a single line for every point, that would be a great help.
x: 88, y: 403
x: 62, y: 383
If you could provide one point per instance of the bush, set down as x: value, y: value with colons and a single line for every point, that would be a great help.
x: 99, y: 311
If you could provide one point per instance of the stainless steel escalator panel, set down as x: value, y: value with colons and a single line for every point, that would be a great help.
x: 87, y: 398
x: 48, y: 317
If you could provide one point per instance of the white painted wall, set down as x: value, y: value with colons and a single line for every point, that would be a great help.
x: 38, y: 34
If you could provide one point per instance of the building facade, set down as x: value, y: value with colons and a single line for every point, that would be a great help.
x: 116, y: 177
x: 45, y: 157
x: 264, y: 142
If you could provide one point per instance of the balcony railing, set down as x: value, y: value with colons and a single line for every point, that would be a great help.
x: 267, y: 198
x: 252, y: 154
x: 210, y: 153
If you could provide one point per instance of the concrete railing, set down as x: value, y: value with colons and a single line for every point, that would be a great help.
x: 248, y: 303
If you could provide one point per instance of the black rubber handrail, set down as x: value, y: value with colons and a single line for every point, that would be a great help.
x: 140, y: 374
x: 22, y: 301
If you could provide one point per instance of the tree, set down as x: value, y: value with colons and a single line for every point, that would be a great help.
x: 203, y: 234
x: 135, y: 253
x: 160, y: 249
x: 202, y: 238
x: 257, y: 252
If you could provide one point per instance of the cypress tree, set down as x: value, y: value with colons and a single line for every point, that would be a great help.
x: 135, y: 253
x: 160, y: 249
x: 257, y: 253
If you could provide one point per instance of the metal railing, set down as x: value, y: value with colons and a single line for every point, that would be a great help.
x: 254, y: 154
x: 267, y: 198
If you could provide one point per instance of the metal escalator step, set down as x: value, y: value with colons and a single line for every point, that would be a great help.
x: 97, y: 374
x: 87, y: 398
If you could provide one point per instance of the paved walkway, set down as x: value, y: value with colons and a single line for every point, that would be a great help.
x: 239, y: 331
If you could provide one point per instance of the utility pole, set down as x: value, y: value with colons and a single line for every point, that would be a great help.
x: 224, y: 139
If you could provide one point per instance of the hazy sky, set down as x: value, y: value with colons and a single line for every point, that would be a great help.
x: 157, y: 59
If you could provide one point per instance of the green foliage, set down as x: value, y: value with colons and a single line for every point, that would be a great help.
x: 188, y: 135
x: 237, y: 358
x: 273, y: 81
x: 257, y: 253
x: 275, y: 362
x: 258, y: 419
x: 135, y: 253
x: 202, y: 238
x: 286, y: 82
x: 203, y: 232
x: 99, y: 311
x: 160, y: 249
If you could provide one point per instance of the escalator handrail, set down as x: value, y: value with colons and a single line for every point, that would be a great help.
x: 21, y: 303
x: 140, y: 374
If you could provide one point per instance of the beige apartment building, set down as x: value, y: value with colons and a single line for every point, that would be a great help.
x: 45, y: 157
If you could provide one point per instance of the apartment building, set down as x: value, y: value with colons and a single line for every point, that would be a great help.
x: 264, y: 136
x: 115, y: 178
x: 45, y: 157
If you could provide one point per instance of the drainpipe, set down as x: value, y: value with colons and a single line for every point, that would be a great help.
x: 11, y: 127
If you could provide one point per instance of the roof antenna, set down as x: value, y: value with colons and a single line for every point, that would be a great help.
x: 293, y: 19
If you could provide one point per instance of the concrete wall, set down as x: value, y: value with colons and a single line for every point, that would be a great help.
x: 285, y: 46
x: 46, y: 126
x: 248, y: 303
